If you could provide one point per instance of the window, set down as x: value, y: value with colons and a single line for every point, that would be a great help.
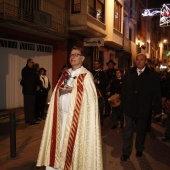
x: 8, y: 43
x: 75, y: 6
x: 26, y: 8
x: 117, y: 16
x: 96, y: 9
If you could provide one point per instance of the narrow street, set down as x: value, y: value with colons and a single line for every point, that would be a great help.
x: 156, y: 155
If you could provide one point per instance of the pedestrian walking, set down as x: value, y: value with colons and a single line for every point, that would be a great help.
x: 71, y: 138
x: 140, y: 91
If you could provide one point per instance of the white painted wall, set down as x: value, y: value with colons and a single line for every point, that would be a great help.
x: 11, y: 63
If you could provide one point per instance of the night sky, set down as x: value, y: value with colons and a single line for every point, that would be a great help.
x: 157, y: 3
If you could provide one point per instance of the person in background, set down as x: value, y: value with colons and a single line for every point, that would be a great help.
x: 42, y: 95
x: 111, y: 71
x: 150, y: 64
x: 30, y: 85
x: 115, y: 88
x: 166, y: 105
x: 100, y: 80
x: 111, y: 75
x: 36, y: 66
x: 72, y: 136
x: 64, y: 68
x: 140, y: 91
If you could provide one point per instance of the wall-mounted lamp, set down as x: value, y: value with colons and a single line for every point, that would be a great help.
x: 141, y: 45
x: 138, y: 42
x: 165, y: 41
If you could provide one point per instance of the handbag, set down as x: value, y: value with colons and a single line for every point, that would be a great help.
x: 114, y: 100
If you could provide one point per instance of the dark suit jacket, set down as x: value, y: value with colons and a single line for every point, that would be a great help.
x: 140, y: 93
x: 102, y: 78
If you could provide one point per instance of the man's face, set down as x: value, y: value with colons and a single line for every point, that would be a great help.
x: 96, y: 65
x: 42, y: 72
x: 140, y: 61
x: 76, y: 59
x: 110, y: 65
x: 30, y: 63
x: 118, y: 74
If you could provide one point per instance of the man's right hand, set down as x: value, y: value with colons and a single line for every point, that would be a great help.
x: 65, y: 90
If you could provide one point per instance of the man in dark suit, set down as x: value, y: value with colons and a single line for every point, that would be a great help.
x: 100, y: 80
x: 140, y: 91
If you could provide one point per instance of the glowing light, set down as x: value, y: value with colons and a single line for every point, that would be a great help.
x: 165, y: 15
x: 150, y: 12
x: 163, y: 67
x: 164, y: 41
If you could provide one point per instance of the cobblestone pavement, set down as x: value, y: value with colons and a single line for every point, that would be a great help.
x: 156, y: 155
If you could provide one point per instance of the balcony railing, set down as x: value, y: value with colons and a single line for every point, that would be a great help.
x: 36, y: 18
x: 96, y: 14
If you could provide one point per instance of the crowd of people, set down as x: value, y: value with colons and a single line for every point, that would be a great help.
x: 35, y: 87
x: 82, y: 100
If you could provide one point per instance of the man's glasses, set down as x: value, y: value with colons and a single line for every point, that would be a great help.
x: 75, y: 55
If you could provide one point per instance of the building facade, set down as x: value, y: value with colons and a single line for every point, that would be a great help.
x: 46, y: 30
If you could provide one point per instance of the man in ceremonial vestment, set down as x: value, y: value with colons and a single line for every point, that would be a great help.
x: 72, y: 137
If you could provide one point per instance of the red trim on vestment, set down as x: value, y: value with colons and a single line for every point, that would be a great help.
x: 74, y: 125
x: 54, y: 129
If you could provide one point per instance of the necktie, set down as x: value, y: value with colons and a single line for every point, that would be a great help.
x: 140, y: 71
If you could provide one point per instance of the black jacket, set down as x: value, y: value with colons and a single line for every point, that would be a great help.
x: 140, y: 93
x: 166, y: 89
x: 116, y: 86
x: 102, y: 81
x: 30, y: 80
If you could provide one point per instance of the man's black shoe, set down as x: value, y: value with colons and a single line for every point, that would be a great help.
x: 165, y: 138
x: 34, y: 123
x: 39, y: 119
x: 124, y: 157
x: 139, y: 154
